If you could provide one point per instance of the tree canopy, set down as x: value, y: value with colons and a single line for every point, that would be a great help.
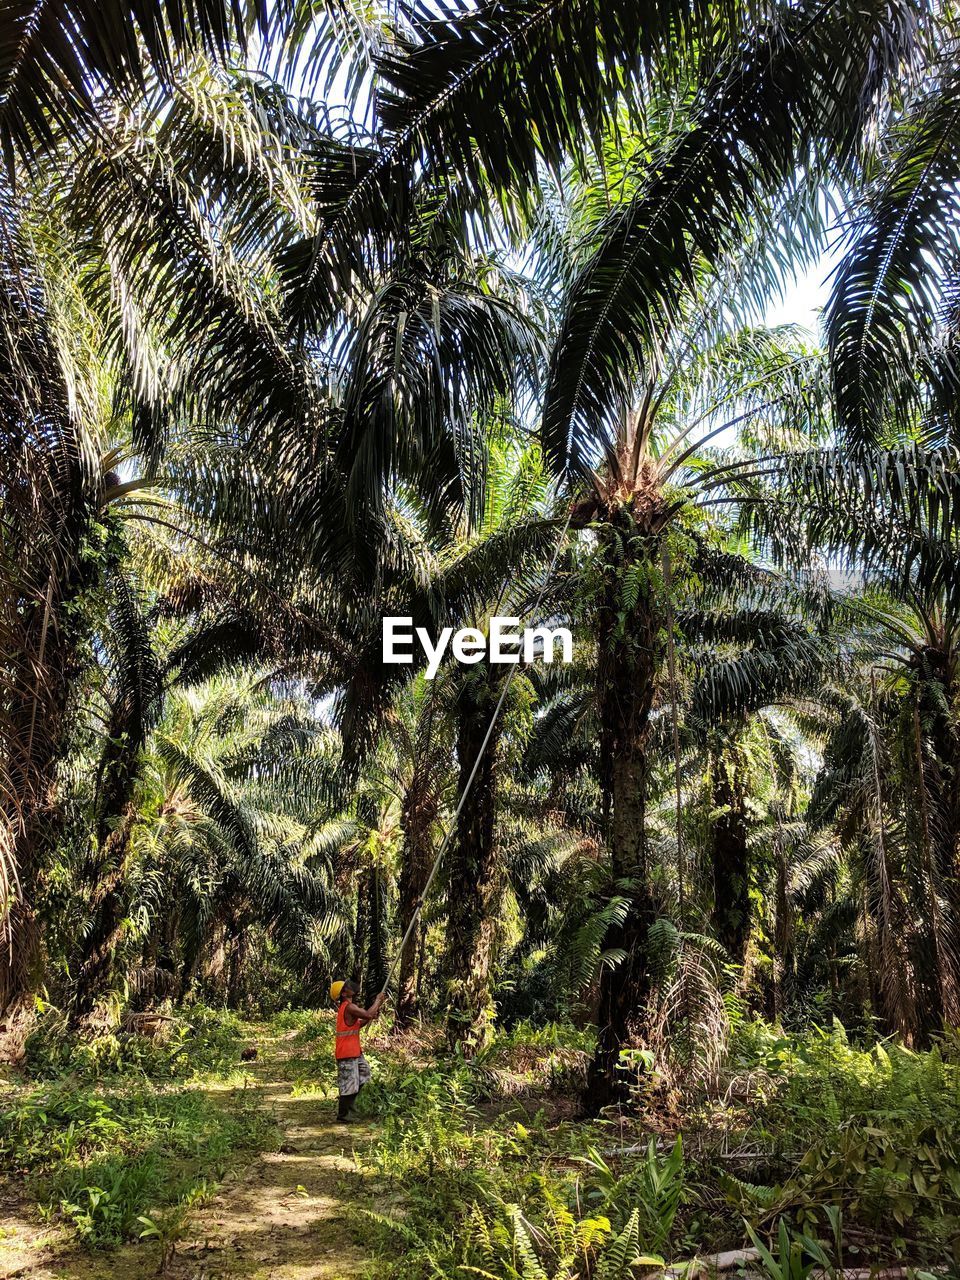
x: 317, y: 314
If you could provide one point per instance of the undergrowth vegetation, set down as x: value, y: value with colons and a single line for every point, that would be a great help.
x: 107, y: 1136
x: 812, y: 1151
x: 809, y: 1150
x: 204, y: 1043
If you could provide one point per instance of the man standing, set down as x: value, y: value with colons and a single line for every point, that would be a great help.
x: 353, y: 1070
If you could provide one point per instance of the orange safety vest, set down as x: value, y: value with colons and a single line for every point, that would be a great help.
x: 348, y: 1034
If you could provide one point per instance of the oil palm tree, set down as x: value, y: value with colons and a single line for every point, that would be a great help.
x: 634, y: 316
x: 885, y: 517
x: 83, y: 88
x: 450, y: 576
x: 747, y: 645
x: 691, y: 222
x: 92, y: 241
x: 224, y: 842
x: 146, y: 668
x: 652, y: 545
x: 52, y: 493
x: 756, y: 674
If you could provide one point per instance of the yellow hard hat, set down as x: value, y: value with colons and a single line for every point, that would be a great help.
x: 337, y: 987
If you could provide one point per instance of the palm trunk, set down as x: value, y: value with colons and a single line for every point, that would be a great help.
x: 375, y: 969
x: 21, y: 974
x: 161, y: 961
x: 236, y: 964
x: 938, y: 978
x: 213, y: 972
x: 361, y: 930
x: 47, y: 566
x: 877, y: 1001
x: 416, y: 820
x: 472, y: 872
x: 783, y: 940
x: 36, y: 733
x: 93, y: 964
x: 189, y: 971
x: 730, y: 858
x: 119, y: 773
x: 630, y: 649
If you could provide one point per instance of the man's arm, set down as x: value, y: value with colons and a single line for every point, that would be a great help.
x: 366, y: 1015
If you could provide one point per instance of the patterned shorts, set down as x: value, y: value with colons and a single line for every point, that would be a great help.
x: 352, y: 1075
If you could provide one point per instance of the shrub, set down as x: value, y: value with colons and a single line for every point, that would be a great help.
x: 103, y: 1159
x: 536, y: 1201
x: 205, y: 1043
x: 877, y: 1132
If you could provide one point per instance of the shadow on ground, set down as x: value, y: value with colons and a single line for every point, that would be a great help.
x: 281, y: 1217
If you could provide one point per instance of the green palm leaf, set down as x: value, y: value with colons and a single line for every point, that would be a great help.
x: 766, y: 112
x: 886, y: 296
x: 58, y: 57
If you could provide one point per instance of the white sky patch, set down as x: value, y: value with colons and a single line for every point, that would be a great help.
x: 805, y: 299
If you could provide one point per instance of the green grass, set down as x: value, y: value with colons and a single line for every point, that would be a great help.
x: 812, y: 1142
x: 102, y: 1157
x: 815, y: 1147
x: 115, y: 1134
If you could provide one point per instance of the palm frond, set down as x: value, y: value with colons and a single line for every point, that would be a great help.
x: 57, y: 59
x: 885, y: 299
x: 768, y: 110
x: 491, y: 92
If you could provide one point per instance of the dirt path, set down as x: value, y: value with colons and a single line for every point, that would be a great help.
x: 283, y: 1218
x: 279, y: 1218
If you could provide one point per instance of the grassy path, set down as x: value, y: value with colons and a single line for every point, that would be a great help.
x: 277, y: 1218
x: 282, y: 1219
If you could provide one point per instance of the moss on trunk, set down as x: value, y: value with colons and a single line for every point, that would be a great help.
x: 630, y: 649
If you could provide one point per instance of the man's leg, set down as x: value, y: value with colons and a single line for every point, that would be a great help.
x: 348, y: 1086
x: 345, y: 1106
